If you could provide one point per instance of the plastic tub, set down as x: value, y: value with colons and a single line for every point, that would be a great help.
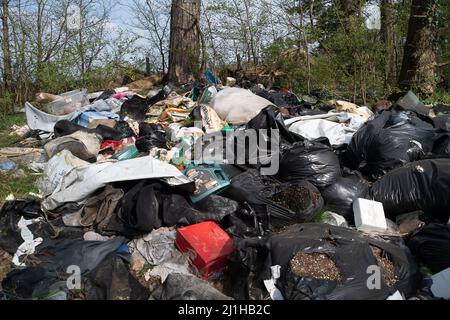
x: 70, y: 102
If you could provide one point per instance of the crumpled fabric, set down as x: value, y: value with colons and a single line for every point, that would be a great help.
x: 156, y: 247
x: 82, y: 145
x: 97, y: 210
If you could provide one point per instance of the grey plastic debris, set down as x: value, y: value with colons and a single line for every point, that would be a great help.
x: 441, y: 284
x: 334, y: 219
x: 156, y: 247
x: 184, y: 287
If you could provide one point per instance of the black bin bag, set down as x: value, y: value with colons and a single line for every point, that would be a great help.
x: 418, y: 186
x: 276, y: 204
x: 311, y: 161
x: 351, y: 253
x: 390, y: 141
x: 431, y: 246
x: 341, y: 194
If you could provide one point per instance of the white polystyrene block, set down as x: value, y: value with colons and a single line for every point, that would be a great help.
x: 369, y: 215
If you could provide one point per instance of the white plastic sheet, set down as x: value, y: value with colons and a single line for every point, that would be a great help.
x: 30, y: 243
x: 84, y: 181
x: 39, y: 120
x: 57, y: 172
x: 337, y: 133
x: 338, y: 127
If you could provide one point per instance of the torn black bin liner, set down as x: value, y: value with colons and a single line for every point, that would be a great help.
x: 311, y: 161
x: 442, y: 139
x: 442, y: 123
x: 186, y: 287
x: 178, y: 211
x: 65, y: 128
x: 442, y: 145
x: 33, y: 282
x: 151, y: 136
x: 125, y: 129
x: 58, y: 255
x: 431, y: 246
x: 271, y: 118
x: 112, y: 280
x: 276, y: 204
x: 108, y: 93
x: 13, y: 211
x: 152, y: 205
x: 135, y: 108
x: 418, y: 186
x: 10, y: 214
x: 279, y: 98
x: 391, y: 140
x: 341, y: 194
x: 351, y: 253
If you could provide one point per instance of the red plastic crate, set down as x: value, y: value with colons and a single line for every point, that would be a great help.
x: 207, y: 244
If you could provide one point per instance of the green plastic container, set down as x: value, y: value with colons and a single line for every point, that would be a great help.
x: 127, y: 153
x: 209, y: 179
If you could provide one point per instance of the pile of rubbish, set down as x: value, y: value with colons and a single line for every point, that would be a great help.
x: 220, y: 192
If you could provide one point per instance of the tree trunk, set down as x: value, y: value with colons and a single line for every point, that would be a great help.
x: 7, y: 64
x: 352, y: 7
x: 184, y: 54
x: 387, y: 35
x: 39, y: 43
x: 419, y: 58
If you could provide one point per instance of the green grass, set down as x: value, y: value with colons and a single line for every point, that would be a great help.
x: 8, y: 120
x: 440, y: 96
x: 318, y: 218
x: 19, y: 187
x: 425, y: 270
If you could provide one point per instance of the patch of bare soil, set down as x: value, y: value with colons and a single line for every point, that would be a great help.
x: 315, y: 265
x: 386, y: 266
x: 295, y: 198
x: 152, y: 283
x: 5, y: 265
